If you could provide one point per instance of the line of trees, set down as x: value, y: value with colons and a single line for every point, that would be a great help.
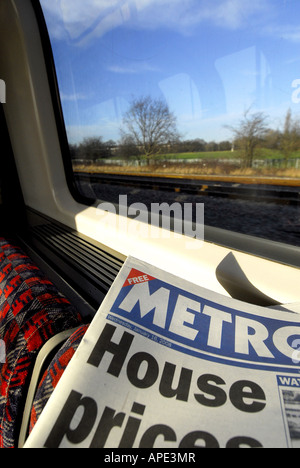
x: 253, y: 132
x: 149, y: 129
x: 94, y: 148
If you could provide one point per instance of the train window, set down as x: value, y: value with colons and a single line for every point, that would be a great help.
x: 185, y: 101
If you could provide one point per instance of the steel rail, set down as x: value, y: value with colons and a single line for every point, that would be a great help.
x: 267, y: 193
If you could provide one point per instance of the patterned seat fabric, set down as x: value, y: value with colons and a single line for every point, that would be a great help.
x: 31, y: 312
x: 54, y: 373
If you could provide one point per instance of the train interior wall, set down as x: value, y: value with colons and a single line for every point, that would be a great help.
x: 12, y: 209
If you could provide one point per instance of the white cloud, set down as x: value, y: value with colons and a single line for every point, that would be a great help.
x: 235, y: 14
x: 288, y: 33
x: 135, y: 68
x: 73, y: 97
x: 76, y: 17
x: 185, y: 14
x: 84, y: 20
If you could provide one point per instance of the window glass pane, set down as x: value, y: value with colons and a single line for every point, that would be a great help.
x: 192, y: 88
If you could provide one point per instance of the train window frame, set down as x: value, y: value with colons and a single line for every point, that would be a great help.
x: 33, y: 124
x: 57, y: 105
x: 265, y: 248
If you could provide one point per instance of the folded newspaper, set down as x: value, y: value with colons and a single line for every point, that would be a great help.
x: 168, y: 364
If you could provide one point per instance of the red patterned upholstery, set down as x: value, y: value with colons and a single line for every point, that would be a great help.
x: 31, y: 312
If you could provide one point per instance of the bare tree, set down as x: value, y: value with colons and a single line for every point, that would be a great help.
x: 151, y: 125
x: 249, y: 134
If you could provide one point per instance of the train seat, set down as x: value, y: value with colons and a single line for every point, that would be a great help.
x: 54, y: 372
x: 32, y: 311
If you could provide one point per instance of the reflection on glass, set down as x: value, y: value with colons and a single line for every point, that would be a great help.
x: 189, y: 87
x: 212, y: 62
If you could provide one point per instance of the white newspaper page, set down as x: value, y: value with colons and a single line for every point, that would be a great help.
x: 167, y: 364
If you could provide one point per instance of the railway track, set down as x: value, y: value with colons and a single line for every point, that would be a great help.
x: 233, y: 189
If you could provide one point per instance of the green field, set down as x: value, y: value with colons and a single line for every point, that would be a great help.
x: 263, y: 153
x: 214, y: 164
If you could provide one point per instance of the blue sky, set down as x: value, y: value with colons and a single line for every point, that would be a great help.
x: 211, y: 60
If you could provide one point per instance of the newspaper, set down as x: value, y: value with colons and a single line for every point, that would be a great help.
x: 168, y: 364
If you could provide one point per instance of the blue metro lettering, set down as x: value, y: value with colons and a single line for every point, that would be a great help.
x: 207, y: 326
x: 158, y: 301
